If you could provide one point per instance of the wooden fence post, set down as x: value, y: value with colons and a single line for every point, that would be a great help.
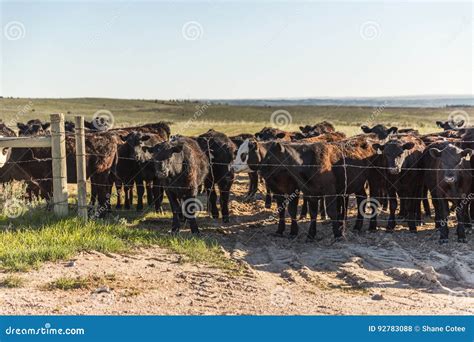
x: 81, y: 168
x: 58, y: 154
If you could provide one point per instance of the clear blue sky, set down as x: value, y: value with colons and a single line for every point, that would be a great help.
x: 245, y: 49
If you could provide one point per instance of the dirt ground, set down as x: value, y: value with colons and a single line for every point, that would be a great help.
x: 368, y: 273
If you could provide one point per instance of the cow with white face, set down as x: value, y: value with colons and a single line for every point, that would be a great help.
x: 247, y: 160
x: 5, y: 152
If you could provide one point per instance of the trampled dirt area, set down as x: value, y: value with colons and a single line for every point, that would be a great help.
x: 368, y: 273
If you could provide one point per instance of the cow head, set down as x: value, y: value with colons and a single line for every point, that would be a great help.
x: 247, y: 158
x: 69, y: 126
x: 381, y: 131
x: 136, y: 141
x: 168, y: 158
x: 316, y: 130
x: 448, y: 125
x: 451, y: 160
x: 33, y: 127
x: 269, y: 133
x: 394, y: 153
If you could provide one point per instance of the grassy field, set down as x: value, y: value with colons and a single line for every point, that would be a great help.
x: 193, y: 118
x: 37, y: 236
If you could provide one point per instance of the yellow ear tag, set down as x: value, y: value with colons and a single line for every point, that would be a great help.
x: 468, y: 157
x: 379, y: 151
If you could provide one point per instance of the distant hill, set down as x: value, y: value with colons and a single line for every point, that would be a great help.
x: 408, y: 101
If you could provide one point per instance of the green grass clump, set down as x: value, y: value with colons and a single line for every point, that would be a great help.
x: 67, y: 284
x: 12, y: 281
x: 40, y: 237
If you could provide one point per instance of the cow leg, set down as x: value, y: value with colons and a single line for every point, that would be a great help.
x: 128, y: 196
x: 101, y: 182
x: 426, y: 203
x: 444, y: 213
x: 313, y: 213
x: 322, y: 208
x: 361, y: 197
x: 119, y: 186
x: 190, y: 214
x: 253, y: 187
x: 412, y: 206
x: 211, y: 198
x: 304, y: 208
x: 140, y: 193
x: 268, y: 198
x: 392, y: 201
x: 335, y: 215
x: 158, y: 195
x: 224, y: 191
x: 149, y: 193
x: 280, y: 199
x: 293, y: 210
x: 462, y: 215
x: 176, y: 210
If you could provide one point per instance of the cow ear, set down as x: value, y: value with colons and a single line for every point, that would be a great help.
x: 21, y: 126
x: 177, y: 149
x: 145, y: 138
x: 460, y: 123
x: 467, y: 153
x: 378, y: 148
x: 435, y: 153
x: 365, y: 129
x: 46, y: 125
x: 408, y: 145
x: 301, y: 128
x: 439, y: 124
x: 392, y: 130
x: 280, y: 135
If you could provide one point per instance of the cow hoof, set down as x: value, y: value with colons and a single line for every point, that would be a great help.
x: 277, y: 234
x: 293, y: 236
x: 310, y: 239
x: 302, y: 217
x: 462, y: 240
x: 339, y: 239
x: 443, y: 241
x: 225, y: 220
x: 118, y: 206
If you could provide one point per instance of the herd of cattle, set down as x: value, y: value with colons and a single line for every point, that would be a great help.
x: 381, y: 166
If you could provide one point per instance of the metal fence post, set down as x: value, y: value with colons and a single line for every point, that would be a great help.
x: 58, y: 153
x: 81, y: 168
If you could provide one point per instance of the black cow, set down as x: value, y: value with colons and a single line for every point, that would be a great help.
x: 402, y: 165
x: 448, y: 177
x: 220, y: 151
x: 182, y: 167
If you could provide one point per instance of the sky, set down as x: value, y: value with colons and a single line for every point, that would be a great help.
x: 229, y: 50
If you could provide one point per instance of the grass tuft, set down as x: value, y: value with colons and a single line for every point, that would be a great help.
x: 67, y: 284
x: 12, y: 281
